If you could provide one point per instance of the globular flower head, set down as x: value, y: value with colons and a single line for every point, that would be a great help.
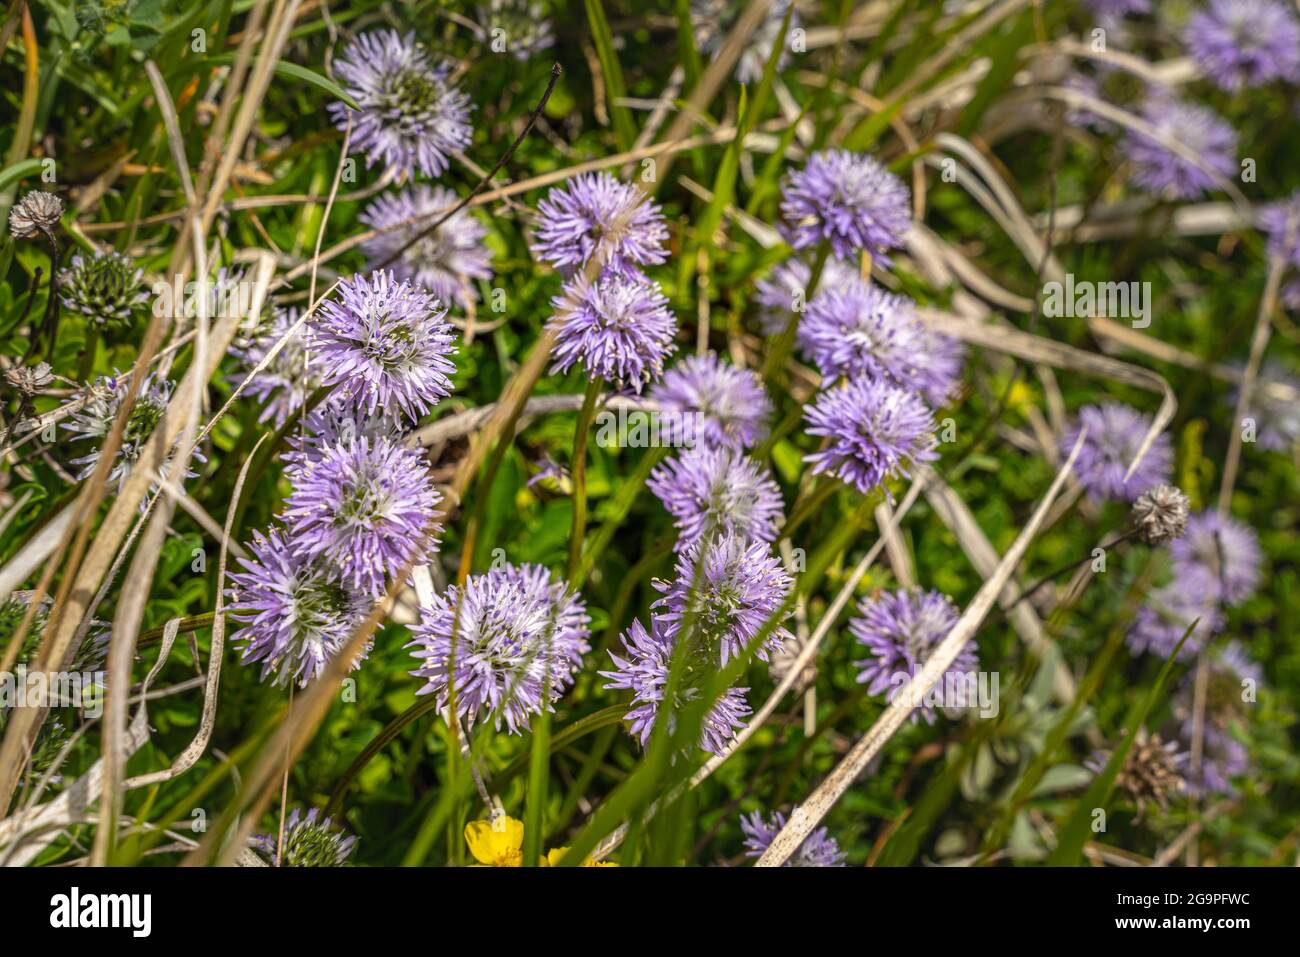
x: 1161, y: 623
x: 619, y: 327
x: 712, y: 491
x: 296, y: 616
x: 818, y: 849
x: 520, y: 24
x: 643, y: 669
x: 1115, y: 433
x: 510, y: 643
x: 713, y: 21
x: 1276, y: 418
x: 37, y: 213
x: 1281, y: 222
x: 785, y: 291
x: 412, y: 116
x: 283, y: 385
x: 859, y: 329
x: 384, y: 343
x: 849, y: 200
x: 1232, y: 681
x: 107, y: 288
x: 1217, y: 558
x: 727, y: 405
x: 1223, y: 758
x: 1243, y: 43
x: 876, y: 429
x: 1152, y: 771
x: 94, y: 420
x: 1159, y: 169
x: 727, y: 590
x: 594, y: 214
x: 337, y: 420
x: 365, y: 510
x: 1160, y: 514
x: 310, y: 840
x: 900, y: 630
x: 447, y: 261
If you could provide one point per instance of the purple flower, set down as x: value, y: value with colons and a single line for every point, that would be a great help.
x: 727, y: 404
x: 593, y: 214
x: 518, y: 640
x: 1217, y: 559
x: 875, y: 429
x: 297, y: 616
x: 411, y: 116
x: 900, y: 630
x: 643, y: 670
x: 860, y: 329
x: 818, y: 849
x: 1281, y: 221
x: 712, y: 491
x: 445, y: 262
x: 282, y: 386
x: 785, y: 292
x: 1241, y: 43
x: 713, y: 21
x: 846, y: 199
x: 1160, y: 625
x: 337, y: 420
x: 1223, y: 758
x: 384, y: 343
x: 1158, y: 169
x: 95, y: 419
x: 1115, y: 432
x: 619, y: 326
x: 728, y: 597
x: 310, y: 840
x: 366, y: 509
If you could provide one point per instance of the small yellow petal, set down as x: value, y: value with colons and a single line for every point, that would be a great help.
x: 496, y: 843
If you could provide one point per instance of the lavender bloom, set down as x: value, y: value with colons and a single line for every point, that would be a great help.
x: 411, y: 116
x: 519, y: 27
x: 337, y: 420
x: 1160, y: 625
x: 593, y: 214
x: 1217, y: 559
x: 1160, y: 170
x: 849, y: 200
x: 1243, y: 43
x: 713, y: 20
x: 1281, y: 221
x: 384, y: 342
x: 286, y: 381
x: 95, y: 419
x: 729, y: 597
x: 297, y: 618
x: 1223, y: 758
x: 818, y: 849
x: 644, y: 671
x: 445, y: 262
x: 1115, y: 432
x: 1277, y: 420
x: 519, y: 638
x: 620, y: 326
x: 859, y: 329
x: 310, y: 840
x: 714, y: 491
x: 727, y: 404
x: 900, y: 630
x: 366, y: 509
x: 876, y: 429
x: 785, y: 292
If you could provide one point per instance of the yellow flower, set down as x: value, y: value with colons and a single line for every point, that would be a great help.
x: 496, y: 843
x: 554, y: 857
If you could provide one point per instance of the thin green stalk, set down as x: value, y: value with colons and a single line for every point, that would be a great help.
x: 579, y: 472
x: 783, y: 343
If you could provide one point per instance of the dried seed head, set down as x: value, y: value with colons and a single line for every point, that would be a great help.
x: 1160, y: 514
x: 1152, y: 771
x: 37, y: 212
x: 27, y: 379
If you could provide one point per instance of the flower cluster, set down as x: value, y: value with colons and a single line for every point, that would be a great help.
x: 1114, y: 435
x: 310, y: 840
x: 847, y: 200
x: 728, y: 405
x: 1245, y: 43
x: 818, y: 849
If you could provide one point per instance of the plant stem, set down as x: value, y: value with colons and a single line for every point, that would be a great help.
x: 785, y: 340
x: 579, y: 472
